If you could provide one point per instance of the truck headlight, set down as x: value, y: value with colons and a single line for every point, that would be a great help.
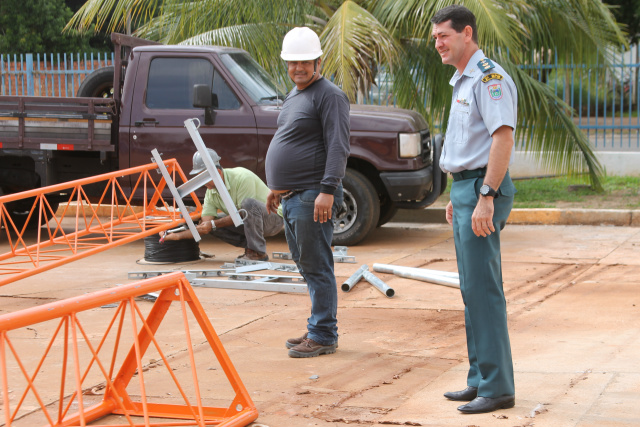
x: 410, y: 145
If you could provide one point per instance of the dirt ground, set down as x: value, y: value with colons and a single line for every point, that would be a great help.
x: 573, y: 295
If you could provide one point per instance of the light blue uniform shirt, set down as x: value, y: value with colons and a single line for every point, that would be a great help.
x: 478, y: 109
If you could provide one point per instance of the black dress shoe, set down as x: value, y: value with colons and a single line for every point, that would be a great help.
x: 488, y: 404
x: 465, y: 395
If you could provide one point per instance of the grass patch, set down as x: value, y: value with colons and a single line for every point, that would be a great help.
x: 620, y: 192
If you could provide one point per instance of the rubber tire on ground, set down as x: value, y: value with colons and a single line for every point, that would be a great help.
x: 98, y: 84
x: 387, y: 211
x: 171, y: 251
x: 362, y: 210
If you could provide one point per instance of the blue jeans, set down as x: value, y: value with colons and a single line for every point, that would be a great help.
x: 310, y: 246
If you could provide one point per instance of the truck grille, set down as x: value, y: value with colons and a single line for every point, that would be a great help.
x: 427, y: 156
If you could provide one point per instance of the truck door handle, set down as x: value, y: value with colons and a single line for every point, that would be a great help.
x: 144, y: 122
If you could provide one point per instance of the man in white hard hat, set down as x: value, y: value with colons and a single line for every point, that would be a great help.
x: 247, y: 192
x: 305, y: 164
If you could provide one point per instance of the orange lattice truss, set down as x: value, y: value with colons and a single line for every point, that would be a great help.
x: 94, y: 215
x: 71, y: 378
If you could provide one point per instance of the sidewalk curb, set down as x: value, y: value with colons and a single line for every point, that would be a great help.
x: 614, y: 217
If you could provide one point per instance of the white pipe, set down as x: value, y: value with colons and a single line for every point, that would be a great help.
x: 389, y: 268
x: 437, y: 277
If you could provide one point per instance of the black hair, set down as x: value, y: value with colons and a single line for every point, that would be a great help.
x: 459, y: 16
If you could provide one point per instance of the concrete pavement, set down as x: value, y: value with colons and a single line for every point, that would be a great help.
x: 573, y: 296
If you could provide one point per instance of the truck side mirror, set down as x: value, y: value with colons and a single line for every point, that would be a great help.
x: 203, y: 98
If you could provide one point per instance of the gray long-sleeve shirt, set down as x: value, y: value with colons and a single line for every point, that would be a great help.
x: 311, y: 146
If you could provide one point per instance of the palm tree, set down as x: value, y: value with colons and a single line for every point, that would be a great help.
x: 359, y: 36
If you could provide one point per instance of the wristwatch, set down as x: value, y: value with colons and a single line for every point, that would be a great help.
x: 213, y: 225
x: 485, y: 191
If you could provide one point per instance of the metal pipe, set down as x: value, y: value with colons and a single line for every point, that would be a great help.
x: 389, y: 268
x: 355, y: 278
x: 443, y: 278
x: 378, y: 284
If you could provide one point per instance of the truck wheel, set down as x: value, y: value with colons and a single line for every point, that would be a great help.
x: 387, y: 212
x: 98, y: 84
x: 361, y: 210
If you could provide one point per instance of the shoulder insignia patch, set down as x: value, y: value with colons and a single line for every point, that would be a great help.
x: 492, y: 76
x: 485, y: 64
x: 495, y: 91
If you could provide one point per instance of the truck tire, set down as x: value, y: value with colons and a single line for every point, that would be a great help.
x: 361, y: 210
x: 387, y: 212
x: 98, y: 84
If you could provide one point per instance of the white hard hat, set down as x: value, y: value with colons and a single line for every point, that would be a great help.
x: 198, y: 163
x: 301, y: 44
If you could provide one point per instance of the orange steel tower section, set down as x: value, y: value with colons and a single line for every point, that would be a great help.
x: 96, y: 214
x: 54, y: 383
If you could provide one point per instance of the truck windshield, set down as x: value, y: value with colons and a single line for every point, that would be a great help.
x: 253, y: 78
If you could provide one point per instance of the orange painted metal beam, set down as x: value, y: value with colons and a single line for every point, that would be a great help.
x: 79, y: 348
x: 97, y: 214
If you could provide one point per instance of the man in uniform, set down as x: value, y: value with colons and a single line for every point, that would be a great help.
x: 305, y: 164
x: 247, y: 192
x: 478, y: 150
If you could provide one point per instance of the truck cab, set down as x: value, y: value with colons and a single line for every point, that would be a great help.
x: 391, y: 162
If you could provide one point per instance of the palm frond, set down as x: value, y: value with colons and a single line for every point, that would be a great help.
x: 578, y: 30
x: 353, y: 41
x: 421, y: 81
x: 206, y: 15
x: 547, y: 129
x: 113, y: 15
x: 497, y: 27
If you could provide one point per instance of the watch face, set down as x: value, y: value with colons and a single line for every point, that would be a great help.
x: 484, y: 190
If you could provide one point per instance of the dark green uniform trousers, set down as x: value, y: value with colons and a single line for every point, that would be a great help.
x: 480, y: 269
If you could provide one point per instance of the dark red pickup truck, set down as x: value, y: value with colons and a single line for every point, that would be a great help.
x: 44, y: 141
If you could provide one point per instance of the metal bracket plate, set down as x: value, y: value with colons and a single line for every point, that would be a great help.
x: 213, y: 172
x: 251, y: 285
x: 248, y: 265
x: 174, y: 192
x: 234, y: 280
x: 339, y: 255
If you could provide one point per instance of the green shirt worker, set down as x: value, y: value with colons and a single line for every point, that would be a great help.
x: 247, y: 192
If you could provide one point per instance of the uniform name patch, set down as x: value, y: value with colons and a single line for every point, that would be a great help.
x: 495, y: 91
x: 492, y: 76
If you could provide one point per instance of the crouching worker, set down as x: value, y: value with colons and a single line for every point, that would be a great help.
x: 247, y: 192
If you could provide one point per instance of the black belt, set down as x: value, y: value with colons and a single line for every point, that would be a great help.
x: 290, y: 194
x: 468, y: 174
